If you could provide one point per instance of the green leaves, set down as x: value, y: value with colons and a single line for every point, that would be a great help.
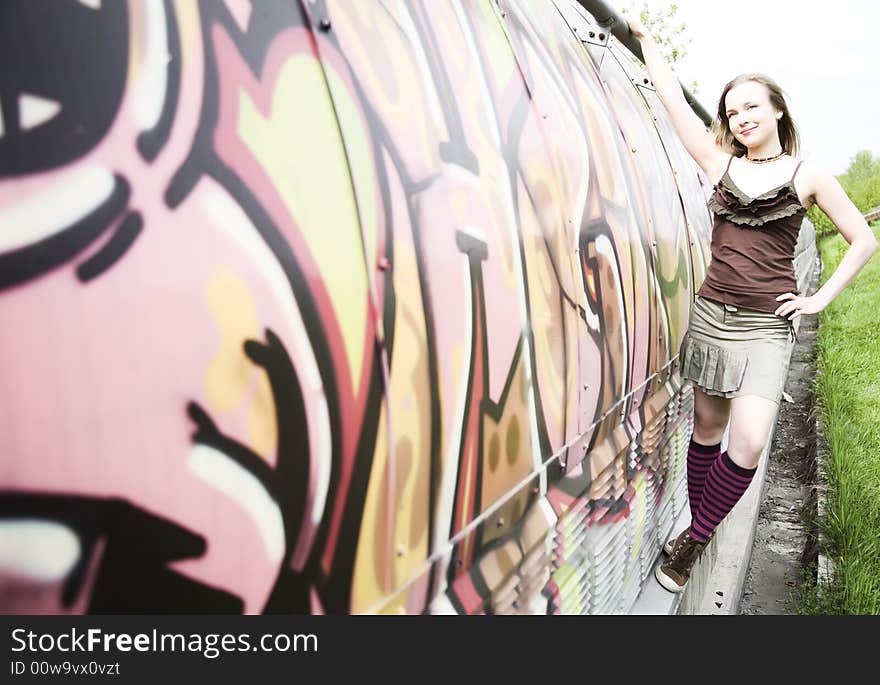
x: 670, y: 37
x: 861, y: 181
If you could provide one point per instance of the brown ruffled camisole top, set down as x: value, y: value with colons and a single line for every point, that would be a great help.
x: 753, y: 243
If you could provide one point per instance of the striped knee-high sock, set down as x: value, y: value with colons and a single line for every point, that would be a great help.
x: 725, y: 484
x: 700, y: 458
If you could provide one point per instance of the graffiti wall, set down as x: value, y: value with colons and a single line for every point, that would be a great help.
x: 324, y: 306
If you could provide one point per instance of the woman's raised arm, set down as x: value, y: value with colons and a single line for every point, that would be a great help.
x: 699, y: 143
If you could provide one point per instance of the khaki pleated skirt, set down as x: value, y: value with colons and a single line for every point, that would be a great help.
x: 732, y: 351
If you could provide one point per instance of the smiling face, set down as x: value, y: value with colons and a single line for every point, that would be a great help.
x: 751, y: 116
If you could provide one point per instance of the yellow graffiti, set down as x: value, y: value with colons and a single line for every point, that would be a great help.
x: 319, y: 195
x: 230, y: 374
x: 411, y: 454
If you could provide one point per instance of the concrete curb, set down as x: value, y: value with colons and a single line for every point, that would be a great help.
x: 824, y: 565
x: 824, y: 568
x: 722, y: 590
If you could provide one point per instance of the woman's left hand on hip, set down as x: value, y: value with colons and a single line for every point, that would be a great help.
x: 795, y: 305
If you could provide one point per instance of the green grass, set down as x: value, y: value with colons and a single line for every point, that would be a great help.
x: 847, y: 389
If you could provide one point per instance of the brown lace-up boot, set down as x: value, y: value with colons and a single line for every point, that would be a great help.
x: 672, y: 542
x: 675, y: 572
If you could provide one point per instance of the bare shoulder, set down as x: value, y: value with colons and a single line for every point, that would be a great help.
x: 813, y: 181
x: 827, y: 193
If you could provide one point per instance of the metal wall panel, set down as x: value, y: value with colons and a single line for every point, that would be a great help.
x: 337, y: 307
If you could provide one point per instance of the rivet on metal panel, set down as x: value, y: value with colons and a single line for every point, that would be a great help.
x: 384, y: 264
x: 645, y: 81
x: 499, y: 523
x: 633, y: 149
x: 324, y: 24
x: 401, y: 550
x: 601, y: 36
x: 592, y: 34
x: 536, y: 490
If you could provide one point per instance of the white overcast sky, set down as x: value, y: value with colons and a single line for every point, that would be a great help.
x: 824, y: 55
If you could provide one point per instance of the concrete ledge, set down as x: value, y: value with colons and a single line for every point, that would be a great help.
x: 825, y: 567
x: 721, y: 591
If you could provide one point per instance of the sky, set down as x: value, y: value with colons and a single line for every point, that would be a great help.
x: 825, y: 56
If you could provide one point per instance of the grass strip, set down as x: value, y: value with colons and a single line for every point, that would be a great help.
x: 847, y: 388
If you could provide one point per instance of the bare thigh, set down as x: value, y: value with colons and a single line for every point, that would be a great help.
x: 751, y: 421
x: 711, y: 414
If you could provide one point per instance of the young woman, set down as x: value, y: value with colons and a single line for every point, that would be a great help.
x: 740, y: 334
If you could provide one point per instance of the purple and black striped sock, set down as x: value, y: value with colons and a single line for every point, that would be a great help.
x: 700, y: 458
x: 725, y: 484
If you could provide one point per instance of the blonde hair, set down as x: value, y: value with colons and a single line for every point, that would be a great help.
x: 788, y: 133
